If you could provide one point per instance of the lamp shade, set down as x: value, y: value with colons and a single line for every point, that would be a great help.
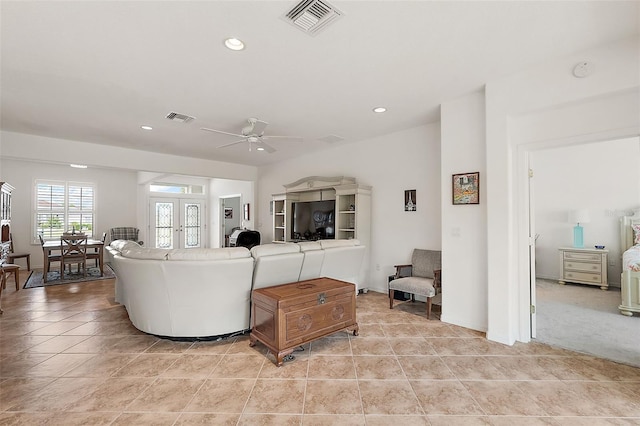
x: 579, y: 216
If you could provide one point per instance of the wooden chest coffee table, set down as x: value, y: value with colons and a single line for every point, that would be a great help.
x: 286, y: 316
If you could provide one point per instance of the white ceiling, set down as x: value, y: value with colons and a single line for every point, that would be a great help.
x: 96, y: 71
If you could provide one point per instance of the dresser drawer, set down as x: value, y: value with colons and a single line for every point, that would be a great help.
x: 583, y: 276
x: 582, y: 266
x: 582, y: 257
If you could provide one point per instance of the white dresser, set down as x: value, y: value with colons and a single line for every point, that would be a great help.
x: 584, y: 266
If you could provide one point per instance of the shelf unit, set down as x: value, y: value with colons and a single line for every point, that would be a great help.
x: 282, y: 219
x: 353, y: 206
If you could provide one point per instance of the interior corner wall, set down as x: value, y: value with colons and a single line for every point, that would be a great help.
x: 540, y: 89
x: 464, y: 229
x: 391, y: 164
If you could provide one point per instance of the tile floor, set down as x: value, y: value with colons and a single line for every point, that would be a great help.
x: 69, y: 356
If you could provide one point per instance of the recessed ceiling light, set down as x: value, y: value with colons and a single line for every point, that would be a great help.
x: 379, y: 109
x: 260, y: 148
x: 78, y: 166
x: 234, y: 43
x: 146, y: 127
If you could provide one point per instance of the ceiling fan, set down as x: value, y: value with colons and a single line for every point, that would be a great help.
x: 253, y: 134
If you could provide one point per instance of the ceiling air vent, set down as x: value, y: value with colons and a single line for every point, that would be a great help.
x: 311, y: 16
x: 183, y: 118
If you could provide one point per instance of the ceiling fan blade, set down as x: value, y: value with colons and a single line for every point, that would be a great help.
x: 231, y: 143
x: 266, y: 147
x: 220, y: 131
x: 258, y: 127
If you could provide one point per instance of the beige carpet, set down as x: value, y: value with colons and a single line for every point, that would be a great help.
x: 586, y: 319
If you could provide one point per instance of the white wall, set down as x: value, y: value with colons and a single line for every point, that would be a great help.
x: 116, y: 198
x: 608, y: 97
x: 408, y: 159
x: 464, y: 231
x: 603, y: 177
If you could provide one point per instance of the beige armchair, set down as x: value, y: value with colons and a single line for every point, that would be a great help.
x: 422, y: 277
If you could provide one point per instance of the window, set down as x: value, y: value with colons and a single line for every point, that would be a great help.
x: 176, y: 188
x: 64, y: 206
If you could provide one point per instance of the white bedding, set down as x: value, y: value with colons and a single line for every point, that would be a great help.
x: 631, y: 259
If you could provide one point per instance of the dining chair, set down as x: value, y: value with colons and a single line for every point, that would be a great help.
x: 73, y: 250
x: 48, y: 259
x: 7, y: 268
x: 13, y: 255
x: 95, y: 254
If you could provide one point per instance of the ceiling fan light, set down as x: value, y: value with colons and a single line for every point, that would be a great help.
x: 234, y: 43
x: 260, y: 148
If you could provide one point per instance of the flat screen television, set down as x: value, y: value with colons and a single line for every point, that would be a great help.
x: 313, y: 220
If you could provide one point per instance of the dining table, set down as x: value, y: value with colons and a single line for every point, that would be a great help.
x: 51, y: 246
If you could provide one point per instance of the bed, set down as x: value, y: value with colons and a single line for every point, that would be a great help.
x: 630, y: 280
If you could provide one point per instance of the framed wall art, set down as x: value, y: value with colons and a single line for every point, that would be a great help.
x: 410, y: 200
x: 246, y: 211
x: 466, y: 188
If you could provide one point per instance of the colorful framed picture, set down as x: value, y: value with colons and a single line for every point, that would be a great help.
x: 466, y: 188
x: 228, y: 212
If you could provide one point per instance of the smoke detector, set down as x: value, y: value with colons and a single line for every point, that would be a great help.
x: 582, y: 69
x: 312, y: 16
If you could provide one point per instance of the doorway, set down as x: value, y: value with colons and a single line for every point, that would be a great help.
x: 230, y: 217
x: 176, y: 223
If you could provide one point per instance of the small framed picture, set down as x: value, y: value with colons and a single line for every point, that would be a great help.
x: 228, y: 212
x: 466, y: 188
x: 246, y: 211
x: 410, y: 200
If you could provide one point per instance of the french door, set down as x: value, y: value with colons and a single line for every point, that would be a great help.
x: 176, y: 223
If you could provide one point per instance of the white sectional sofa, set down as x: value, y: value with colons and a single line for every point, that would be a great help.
x: 198, y: 293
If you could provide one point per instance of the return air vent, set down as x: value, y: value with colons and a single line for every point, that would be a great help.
x: 311, y: 16
x: 183, y: 118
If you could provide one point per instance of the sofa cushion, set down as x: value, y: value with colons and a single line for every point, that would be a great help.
x: 208, y: 253
x: 144, y: 253
x: 327, y: 244
x: 274, y: 249
x: 122, y: 244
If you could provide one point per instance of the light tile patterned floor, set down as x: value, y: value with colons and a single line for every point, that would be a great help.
x: 70, y: 356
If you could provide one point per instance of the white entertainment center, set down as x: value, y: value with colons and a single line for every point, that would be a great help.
x: 351, y: 215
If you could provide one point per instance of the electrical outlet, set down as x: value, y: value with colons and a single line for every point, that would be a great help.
x: 612, y: 262
x: 377, y: 266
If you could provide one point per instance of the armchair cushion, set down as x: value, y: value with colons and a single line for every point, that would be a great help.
x: 125, y: 233
x: 425, y: 262
x: 415, y: 285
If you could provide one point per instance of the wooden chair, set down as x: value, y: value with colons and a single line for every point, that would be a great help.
x: 48, y: 260
x: 95, y: 254
x: 422, y: 277
x: 6, y: 269
x: 74, y: 250
x: 13, y: 255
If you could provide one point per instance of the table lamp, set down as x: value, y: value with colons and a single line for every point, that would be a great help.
x: 578, y: 216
